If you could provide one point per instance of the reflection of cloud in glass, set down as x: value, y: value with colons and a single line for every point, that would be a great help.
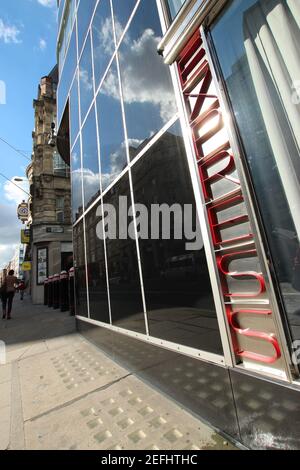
x: 146, y: 83
x: 86, y: 80
x: 91, y: 184
x: 119, y: 29
x: 75, y: 159
x: 104, y: 37
x: 110, y: 86
x: 117, y: 165
x: 134, y: 142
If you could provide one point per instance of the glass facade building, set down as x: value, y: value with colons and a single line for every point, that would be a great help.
x: 189, y: 110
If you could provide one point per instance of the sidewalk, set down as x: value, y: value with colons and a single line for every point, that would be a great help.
x: 58, y: 391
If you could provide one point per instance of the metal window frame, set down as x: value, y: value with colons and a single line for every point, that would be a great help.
x: 130, y: 177
x: 82, y: 189
x: 100, y: 176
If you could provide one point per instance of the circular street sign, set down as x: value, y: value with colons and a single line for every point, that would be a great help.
x: 23, y: 211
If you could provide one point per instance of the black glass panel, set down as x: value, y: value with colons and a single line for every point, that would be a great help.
x: 84, y: 16
x: 124, y: 280
x: 66, y: 76
x: 111, y: 130
x: 103, y: 39
x: 122, y: 13
x: 74, y: 111
x: 178, y: 292
x: 86, y: 79
x: 260, y: 87
x: 76, y: 178
x: 148, y: 92
x: 80, y: 271
x: 96, y: 267
x: 90, y: 162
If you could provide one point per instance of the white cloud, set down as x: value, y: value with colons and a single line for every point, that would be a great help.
x: 13, y: 193
x: 6, y: 254
x: 42, y: 44
x: 10, y: 230
x: 48, y: 3
x: 9, y: 33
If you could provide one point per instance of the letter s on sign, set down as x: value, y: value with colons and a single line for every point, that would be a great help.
x: 247, y: 332
x: 223, y: 262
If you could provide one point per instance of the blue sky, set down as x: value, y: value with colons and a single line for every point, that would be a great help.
x: 27, y: 52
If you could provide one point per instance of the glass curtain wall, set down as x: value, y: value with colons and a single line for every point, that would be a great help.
x: 129, y: 155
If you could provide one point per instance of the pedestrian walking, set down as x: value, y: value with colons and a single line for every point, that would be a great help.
x: 8, y: 294
x: 21, y: 289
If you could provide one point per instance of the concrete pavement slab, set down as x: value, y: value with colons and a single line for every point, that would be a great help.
x: 5, y: 394
x: 4, y: 427
x: 5, y: 373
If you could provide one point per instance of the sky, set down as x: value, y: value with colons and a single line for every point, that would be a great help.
x: 27, y: 53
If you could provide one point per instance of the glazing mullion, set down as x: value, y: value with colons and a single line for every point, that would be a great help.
x: 82, y: 188
x: 100, y: 176
x: 130, y: 178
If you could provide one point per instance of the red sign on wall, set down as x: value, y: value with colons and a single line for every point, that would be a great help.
x: 245, y: 294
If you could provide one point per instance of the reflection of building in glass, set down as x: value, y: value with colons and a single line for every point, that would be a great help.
x: 160, y: 308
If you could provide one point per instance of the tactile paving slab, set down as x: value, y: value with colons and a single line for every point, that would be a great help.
x: 57, y: 377
x: 125, y: 414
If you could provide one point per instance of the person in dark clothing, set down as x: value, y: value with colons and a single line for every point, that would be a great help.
x: 7, y: 294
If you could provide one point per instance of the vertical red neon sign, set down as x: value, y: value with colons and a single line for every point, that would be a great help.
x: 226, y: 211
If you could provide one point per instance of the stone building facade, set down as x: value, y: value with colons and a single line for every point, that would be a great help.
x: 50, y: 189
